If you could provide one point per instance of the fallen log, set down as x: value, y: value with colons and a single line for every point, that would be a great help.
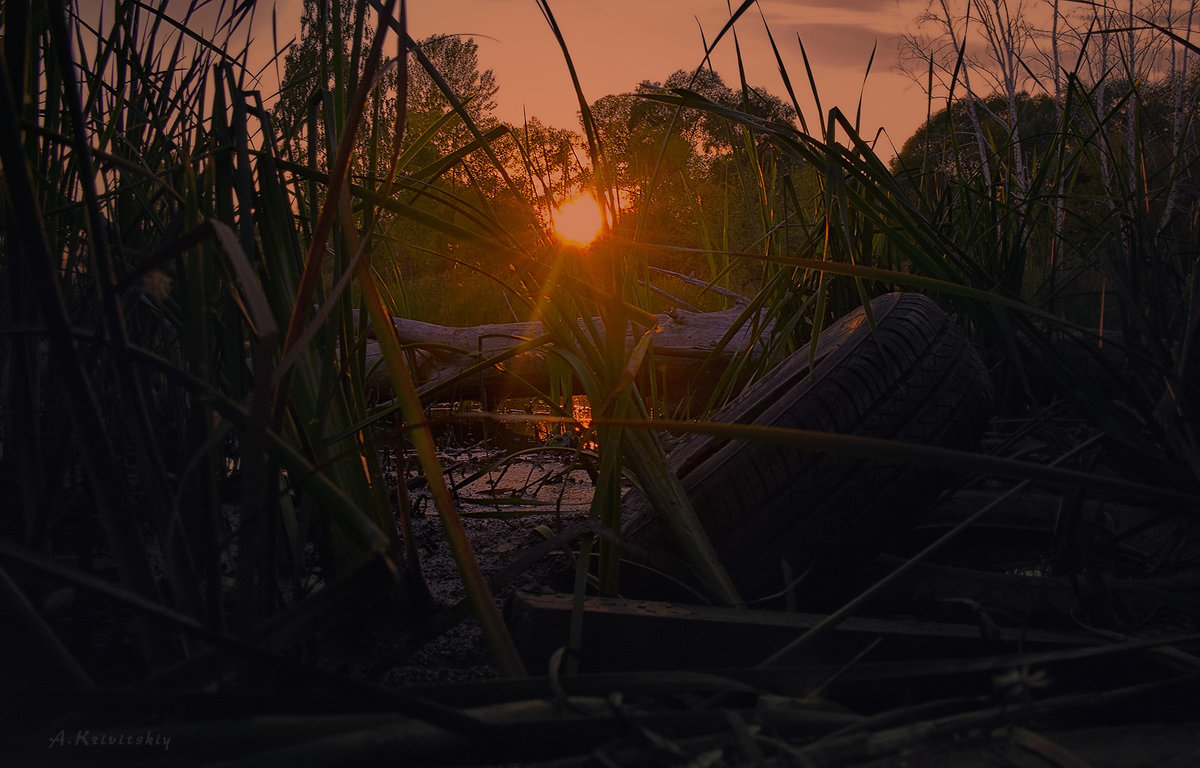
x: 628, y: 634
x: 494, y: 361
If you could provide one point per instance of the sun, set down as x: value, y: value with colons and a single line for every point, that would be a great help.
x: 578, y: 221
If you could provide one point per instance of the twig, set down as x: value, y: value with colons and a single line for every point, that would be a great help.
x: 738, y: 299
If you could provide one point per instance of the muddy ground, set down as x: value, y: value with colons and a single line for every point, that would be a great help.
x: 510, y: 506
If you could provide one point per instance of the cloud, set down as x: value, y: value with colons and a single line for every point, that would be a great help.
x: 871, y: 6
x: 844, y: 45
x: 884, y: 16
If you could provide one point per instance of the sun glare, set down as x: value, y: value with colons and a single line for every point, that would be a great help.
x: 578, y: 221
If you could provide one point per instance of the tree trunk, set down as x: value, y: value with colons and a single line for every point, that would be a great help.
x: 685, y: 360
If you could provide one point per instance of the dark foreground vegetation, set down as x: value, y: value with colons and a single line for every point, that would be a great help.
x: 206, y: 502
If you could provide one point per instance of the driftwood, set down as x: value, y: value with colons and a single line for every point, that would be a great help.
x: 627, y: 634
x: 685, y: 360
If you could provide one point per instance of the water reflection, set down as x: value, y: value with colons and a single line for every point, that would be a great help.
x: 554, y: 432
x: 514, y: 423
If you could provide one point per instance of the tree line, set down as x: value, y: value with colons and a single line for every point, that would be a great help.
x: 1018, y: 81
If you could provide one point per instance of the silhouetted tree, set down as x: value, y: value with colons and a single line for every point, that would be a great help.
x: 689, y: 176
x: 333, y: 36
x: 553, y: 161
x: 948, y: 142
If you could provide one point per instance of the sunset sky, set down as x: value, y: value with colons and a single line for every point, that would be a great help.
x: 618, y: 43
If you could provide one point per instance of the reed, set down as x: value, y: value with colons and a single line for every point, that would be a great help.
x: 1059, y: 236
x: 167, y: 283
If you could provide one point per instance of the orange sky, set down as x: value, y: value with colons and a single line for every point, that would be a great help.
x: 618, y: 43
